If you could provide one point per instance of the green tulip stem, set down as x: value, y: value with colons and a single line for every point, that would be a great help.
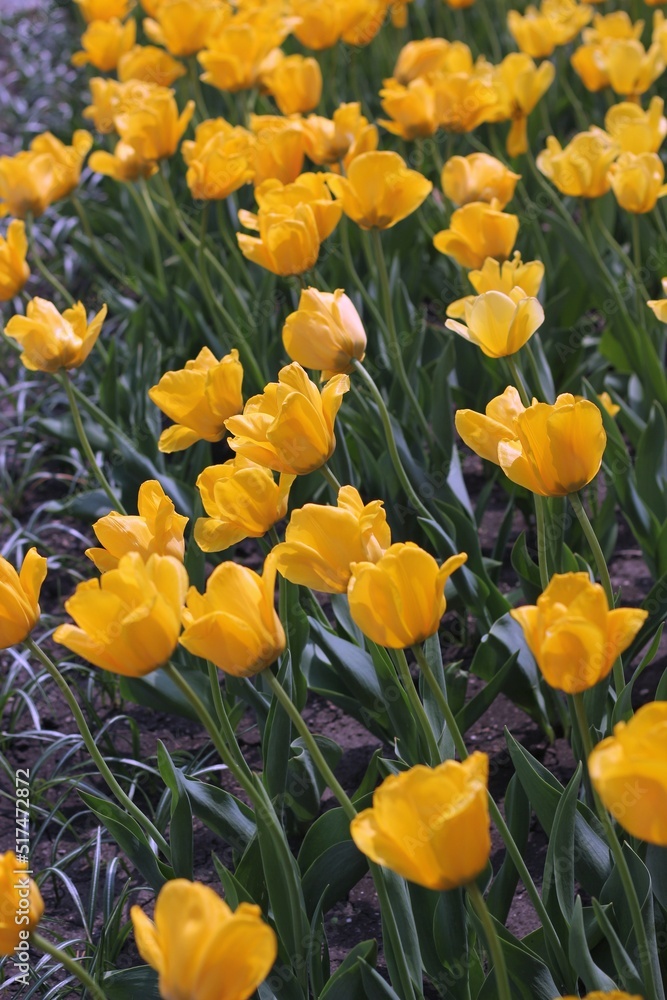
x: 394, y: 344
x: 351, y: 269
x: 153, y: 239
x: 540, y: 522
x: 41, y: 266
x: 478, y: 902
x: 417, y: 707
x: 518, y: 379
x: 603, y: 572
x: 391, y: 442
x: 502, y: 827
x: 330, y: 478
x: 103, y: 256
x: 91, y: 746
x: 69, y: 964
x: 87, y: 449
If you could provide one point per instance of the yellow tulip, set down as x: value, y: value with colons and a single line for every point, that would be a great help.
x: 110, y: 98
x: 104, y: 10
x: 294, y: 82
x: 325, y: 333
x: 21, y: 903
x: 154, y: 127
x: 557, y: 22
x: 498, y: 323
x: 321, y: 23
x: 51, y: 340
x: 589, y: 64
x: 659, y: 36
x: 612, y: 26
x: 14, y: 271
x: 411, y: 108
x: 581, y: 169
x: 280, y: 148
x: 67, y: 160
x: 157, y: 528
x: 496, y: 277
x: 150, y: 64
x: 430, y: 825
x: 234, y: 624
x: 104, y: 42
x: 520, y: 85
x: 399, y: 600
x: 628, y: 773
x: 341, y: 138
x: 573, y: 635
x: 365, y: 25
x: 610, y: 406
x: 421, y: 58
x: 184, y: 27
x: 242, y: 500
x: 220, y: 160
x: 201, y: 949
x: 659, y: 306
x: 399, y: 12
x: 199, y: 398
x: 637, y: 180
x: 123, y: 165
x: 235, y: 56
x: 483, y: 432
x: 322, y: 542
x: 477, y: 231
x: 290, y: 426
x: 379, y: 190
x: 613, y: 994
x: 631, y: 68
x: 129, y: 619
x: 19, y: 606
x: 635, y: 130
x: 31, y: 180
x: 465, y: 99
x: 478, y: 177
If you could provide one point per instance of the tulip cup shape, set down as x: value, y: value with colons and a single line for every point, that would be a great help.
x: 399, y: 600
x: 637, y: 180
x: 21, y: 904
x: 322, y: 542
x: 478, y: 177
x: 573, y: 635
x: 325, y: 333
x: 14, y: 271
x: 494, y: 276
x: 477, y: 231
x: 500, y: 324
x: 50, y: 340
x: 379, y: 190
x: 128, y: 621
x: 628, y: 773
x: 200, y: 948
x: 581, y: 169
x: 612, y: 995
x: 430, y: 825
x: 19, y: 598
x: 234, y: 624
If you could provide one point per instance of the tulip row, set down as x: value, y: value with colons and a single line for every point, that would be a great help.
x: 351, y: 480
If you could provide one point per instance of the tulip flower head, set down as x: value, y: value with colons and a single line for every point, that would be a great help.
x: 421, y: 58
x: 581, y: 169
x: 184, y: 27
x: 33, y: 179
x: 154, y: 127
x: 234, y: 624
x: 242, y: 500
x: 235, y: 56
x: 478, y: 177
x: 14, y: 271
x: 343, y: 137
x: 323, y: 542
x: 51, y: 341
x: 104, y: 42
x: 21, y: 903
x: 627, y: 772
x: 521, y: 85
x: 613, y: 994
x: 290, y: 426
x: 294, y: 82
x: 635, y: 130
x: 538, y: 32
x: 200, y: 948
x: 411, y: 108
x: 500, y: 324
x: 430, y: 825
x: 637, y: 180
x: 659, y: 306
x: 609, y: 405
x: 128, y: 621
x: 280, y: 148
x: 399, y: 600
x: 322, y: 23
x: 157, y: 528
x: 220, y: 160
x: 123, y: 165
x: 199, y: 399
x: 150, y: 64
x: 379, y: 190
x: 19, y: 597
x: 325, y: 333
x: 573, y: 635
x: 496, y: 277
x: 477, y: 231
x: 104, y: 10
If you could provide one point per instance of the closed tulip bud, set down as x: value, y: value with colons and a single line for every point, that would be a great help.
x: 496, y: 277
x: 200, y: 948
x: 628, y: 773
x: 399, y: 600
x: 430, y: 825
x: 294, y: 82
x: 129, y: 619
x: 123, y: 165
x: 50, y: 340
x: 325, y: 333
x: 104, y: 10
x: 581, y: 169
x: 608, y: 404
x: 380, y: 190
x: 234, y: 624
x: 199, y: 399
x: 154, y: 127
x: 290, y: 426
x: 21, y: 903
x: 220, y: 160
x: 104, y: 42
x: 637, y: 180
x: 659, y: 306
x: 478, y: 177
x: 322, y: 542
x: 280, y: 148
x: 412, y: 108
x: 185, y: 26
x: 500, y: 324
x: 157, y: 528
x: 573, y: 635
x: 242, y: 500
x: 150, y: 64
x: 14, y: 271
x: 477, y: 231
x: 19, y: 598
x: 635, y: 130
